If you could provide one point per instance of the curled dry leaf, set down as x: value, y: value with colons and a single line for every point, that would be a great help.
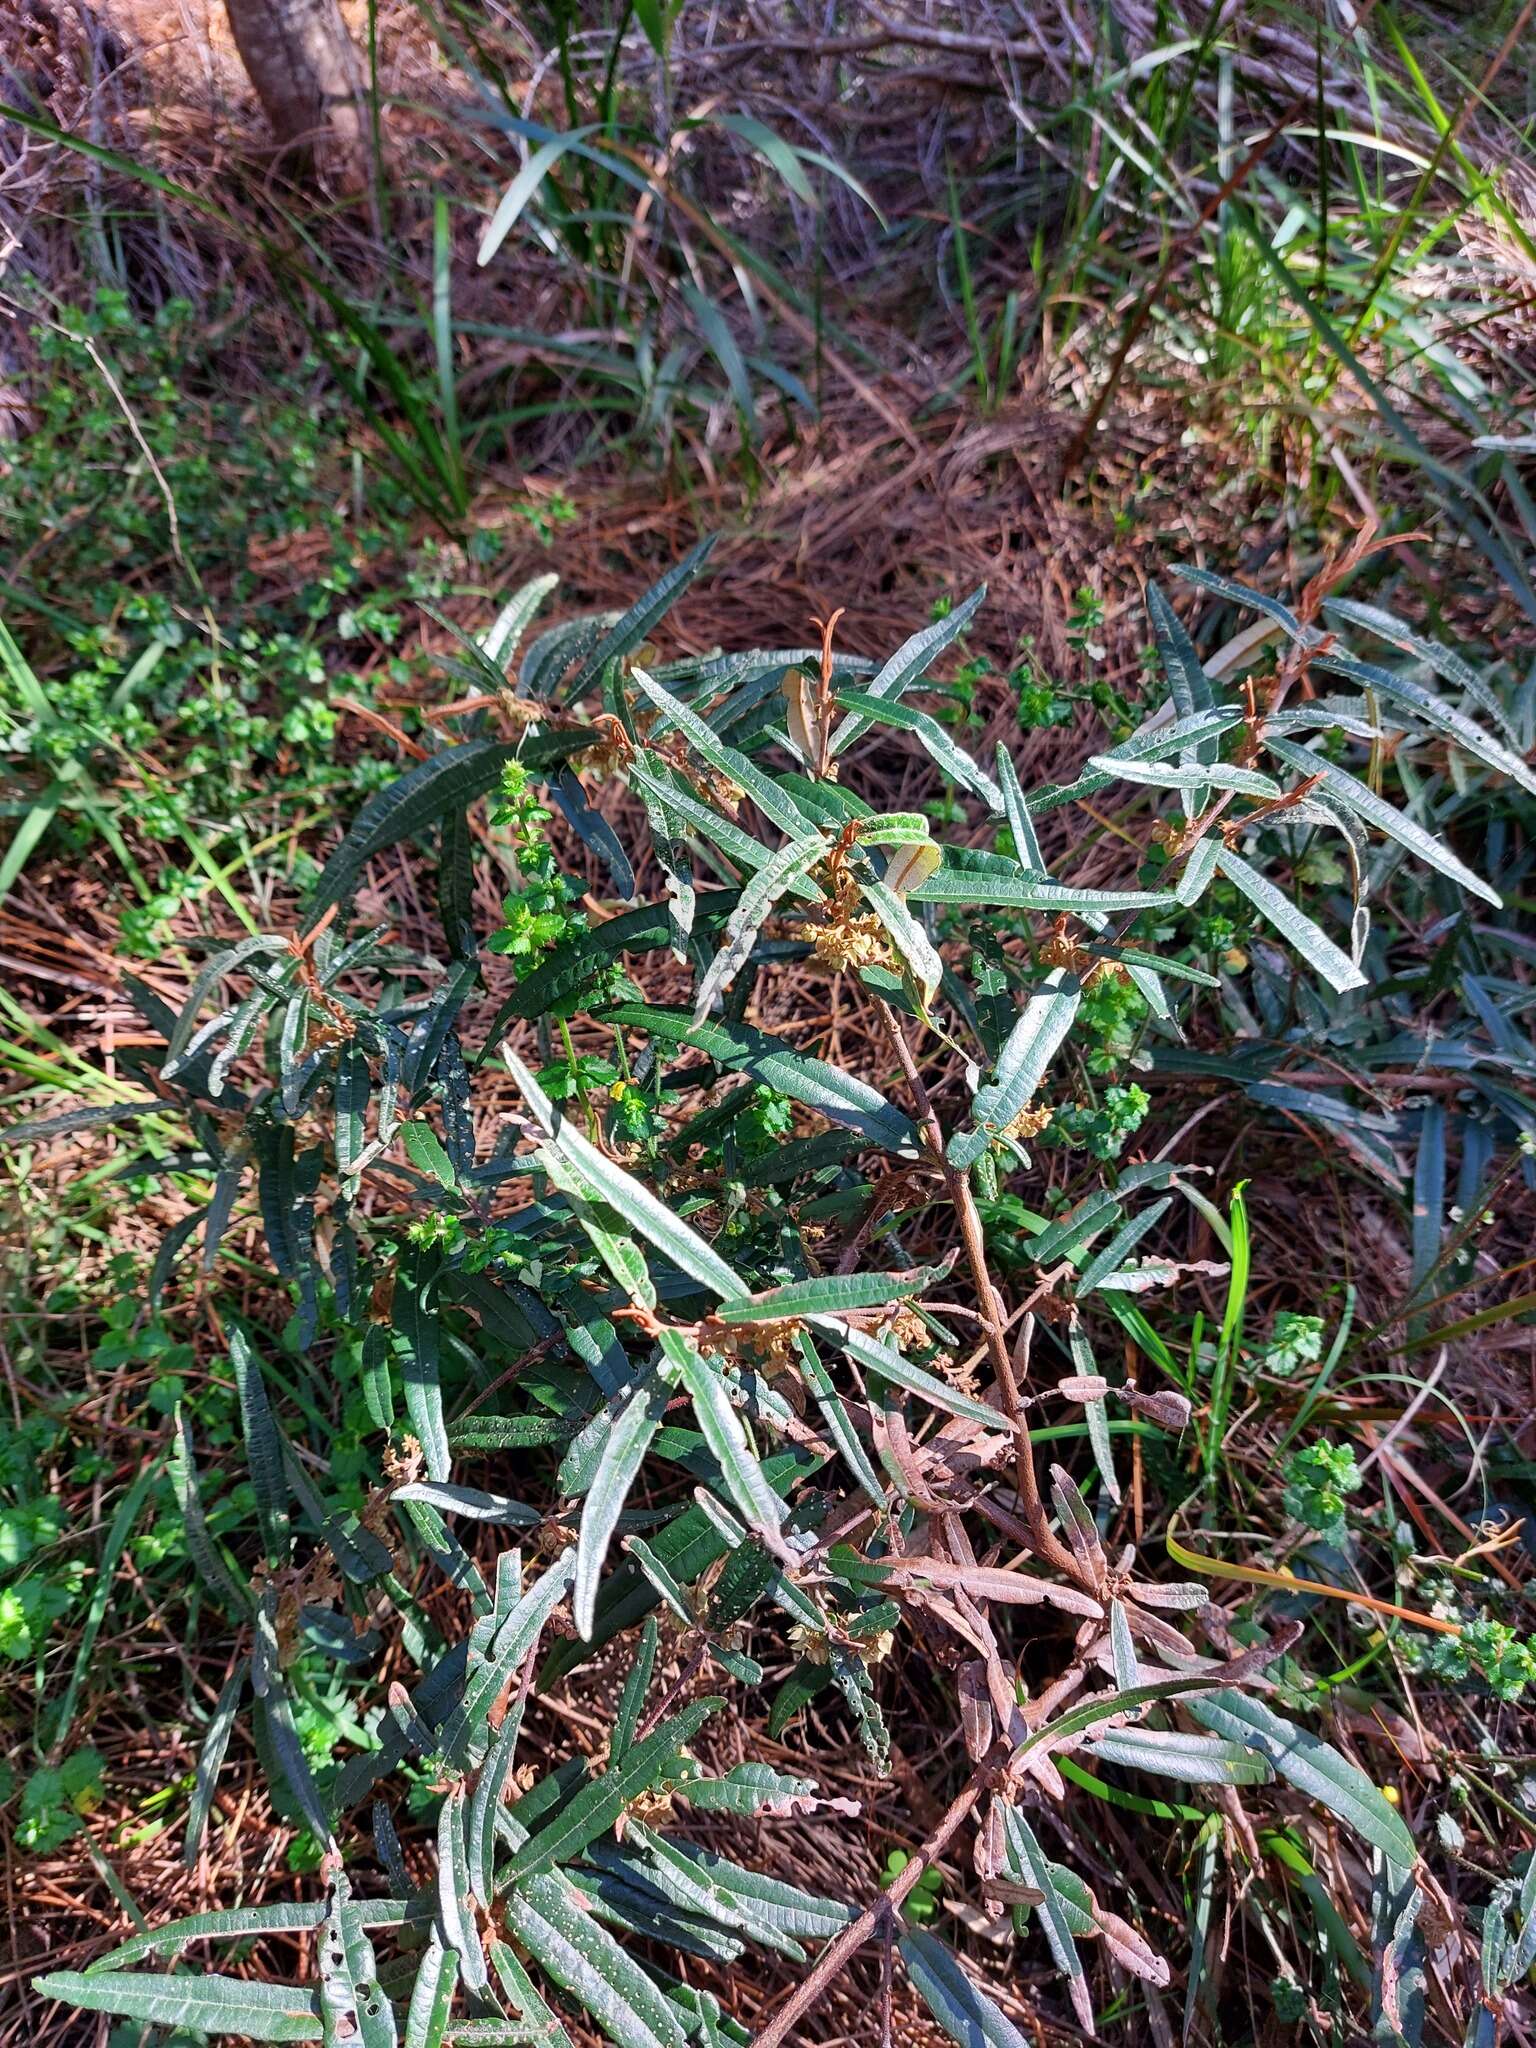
x: 987, y: 1582
x: 1084, y: 1386
x: 975, y: 1709
x: 1167, y: 1409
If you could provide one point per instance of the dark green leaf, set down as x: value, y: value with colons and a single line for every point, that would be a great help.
x: 598, y: 1805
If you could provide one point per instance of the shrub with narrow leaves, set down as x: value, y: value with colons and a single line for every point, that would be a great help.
x: 735, y: 1424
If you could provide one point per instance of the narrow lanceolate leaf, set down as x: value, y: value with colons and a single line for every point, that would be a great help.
x: 945, y: 753
x: 624, y: 1447
x: 263, y: 1451
x: 416, y: 1320
x: 987, y: 1582
x: 1031, y: 1045
x: 179, y: 1047
x: 1119, y: 1248
x: 1445, y: 661
x: 431, y: 1995
x: 918, y: 953
x: 485, y: 1807
x: 207, y: 2005
x: 746, y: 920
x: 1434, y: 711
x: 964, y: 2011
x: 501, y: 640
x: 1169, y: 775
x: 353, y: 1087
x: 455, y: 1907
x: 1358, y: 797
x: 628, y: 1197
x: 1027, y: 1862
x: 1122, y: 1649
x: 1188, y: 683
x: 1112, y: 1706
x: 726, y: 1435
x: 1025, y: 843
x: 673, y: 857
x: 1251, y: 600
x: 594, y: 831
x: 572, y: 966
x: 893, y: 828
x: 445, y: 781
x: 201, y: 1548
x: 92, y: 1118
x: 616, y: 1248
x: 466, y: 1736
x: 353, y: 2009
x: 598, y: 1805
x: 1075, y: 1228
x: 662, y: 783
x: 910, y: 663
x: 471, y: 1502
x: 639, y: 621
x: 768, y: 1901
x: 886, y: 1360
x: 981, y: 888
x: 1151, y: 743
x: 239, y: 1923
x: 545, y: 1915
x: 755, y: 1789
x: 839, y: 1423
x: 1312, y: 1766
x: 1313, y: 944
x: 274, y: 1718
x: 778, y: 807
x: 840, y: 1097
x: 1198, y: 872
x: 525, y: 1998
x: 830, y: 1294
x: 210, y: 1759
x: 1194, y: 1759
x: 687, y: 1886
x: 637, y: 1684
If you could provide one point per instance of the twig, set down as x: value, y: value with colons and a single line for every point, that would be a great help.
x: 881, y: 1913
x: 1047, y: 1545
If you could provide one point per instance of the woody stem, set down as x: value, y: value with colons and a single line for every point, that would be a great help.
x: 854, y: 1936
x: 1044, y: 1540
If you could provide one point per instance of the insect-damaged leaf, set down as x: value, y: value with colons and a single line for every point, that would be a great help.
x: 353, y: 2008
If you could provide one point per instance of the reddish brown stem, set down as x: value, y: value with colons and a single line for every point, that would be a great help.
x: 881, y: 1912
x: 1043, y: 1539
